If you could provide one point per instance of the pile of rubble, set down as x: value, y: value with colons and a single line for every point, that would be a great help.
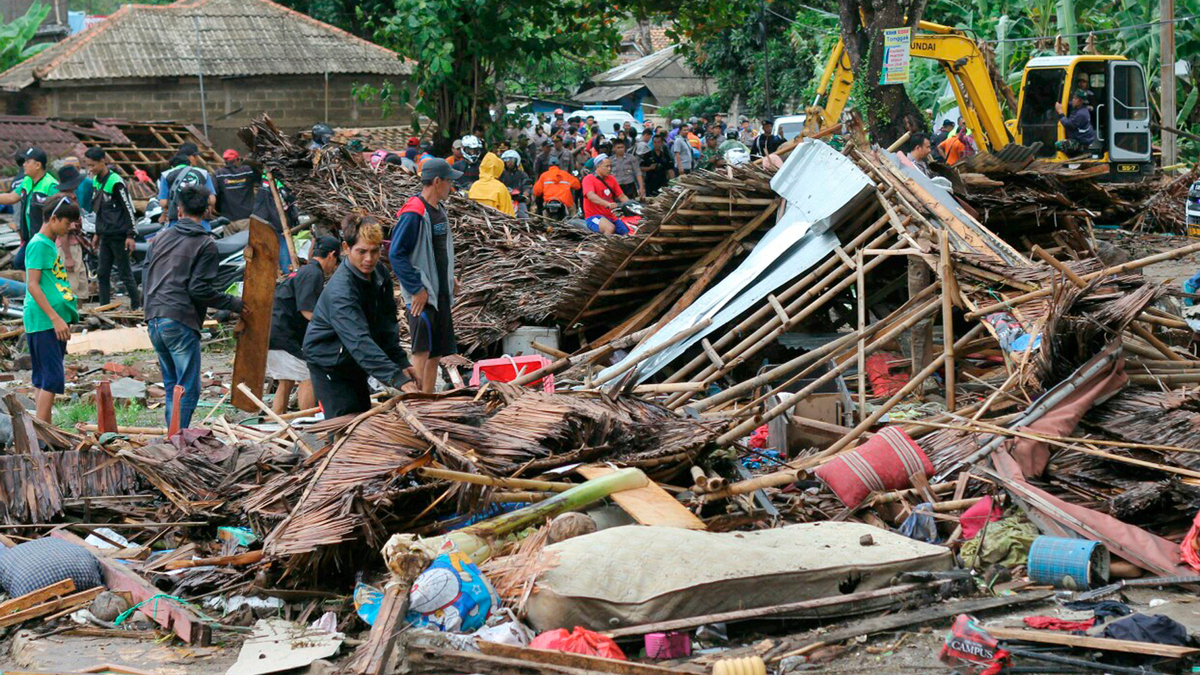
x: 834, y: 390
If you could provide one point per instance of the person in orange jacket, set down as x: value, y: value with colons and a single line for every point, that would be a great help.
x: 556, y: 185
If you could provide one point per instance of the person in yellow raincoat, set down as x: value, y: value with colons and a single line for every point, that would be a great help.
x: 488, y: 190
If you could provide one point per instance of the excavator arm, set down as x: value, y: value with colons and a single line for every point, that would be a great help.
x: 963, y: 64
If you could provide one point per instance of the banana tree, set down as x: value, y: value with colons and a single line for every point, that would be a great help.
x: 16, y: 35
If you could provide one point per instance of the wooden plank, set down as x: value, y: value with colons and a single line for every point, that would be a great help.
x: 112, y: 341
x: 165, y: 613
x: 936, y: 613
x: 106, y: 412
x: 64, y: 587
x: 70, y: 601
x: 1049, y: 637
x: 377, y: 651
x: 594, y: 664
x: 650, y: 505
x: 258, y: 295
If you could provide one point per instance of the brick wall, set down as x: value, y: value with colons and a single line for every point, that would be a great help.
x: 293, y: 102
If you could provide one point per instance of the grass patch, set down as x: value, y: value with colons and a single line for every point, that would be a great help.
x: 133, y: 414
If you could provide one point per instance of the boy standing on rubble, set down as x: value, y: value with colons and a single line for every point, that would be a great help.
x: 49, y: 302
x: 354, y: 332
x: 422, y: 257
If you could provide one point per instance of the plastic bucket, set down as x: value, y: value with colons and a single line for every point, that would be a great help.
x: 1073, y: 564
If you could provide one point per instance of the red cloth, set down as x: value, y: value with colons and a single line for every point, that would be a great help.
x: 879, y: 374
x: 1053, y: 623
x: 882, y: 463
x: 1144, y: 549
x: 607, y: 189
x: 972, y: 520
x: 1187, y: 547
x: 581, y: 641
x: 761, y: 437
x: 1000, y: 660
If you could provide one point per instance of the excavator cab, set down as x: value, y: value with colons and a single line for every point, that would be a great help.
x: 1117, y: 104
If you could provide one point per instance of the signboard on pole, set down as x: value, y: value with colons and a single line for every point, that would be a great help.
x: 895, y: 55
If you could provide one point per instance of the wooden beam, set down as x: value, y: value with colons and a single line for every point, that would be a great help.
x: 1048, y: 637
x: 165, y: 613
x: 258, y: 296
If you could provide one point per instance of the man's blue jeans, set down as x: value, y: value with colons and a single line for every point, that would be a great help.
x: 178, y: 348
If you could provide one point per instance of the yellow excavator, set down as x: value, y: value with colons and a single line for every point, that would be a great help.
x: 1119, y: 104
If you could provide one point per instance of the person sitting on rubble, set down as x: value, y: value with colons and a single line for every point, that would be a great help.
x: 488, y: 190
x: 917, y: 155
x: 1077, y: 121
x: 422, y: 256
x: 516, y: 180
x: 556, y: 185
x: 180, y: 284
x: 295, y: 299
x: 265, y: 209
x: 354, y: 331
x: 601, y: 194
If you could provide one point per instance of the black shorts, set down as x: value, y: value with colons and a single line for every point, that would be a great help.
x: 433, y: 331
x: 342, y: 392
x: 47, y: 352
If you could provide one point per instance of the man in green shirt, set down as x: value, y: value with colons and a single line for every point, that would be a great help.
x: 49, y: 301
x: 31, y: 193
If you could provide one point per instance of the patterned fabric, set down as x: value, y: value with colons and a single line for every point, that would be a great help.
x: 882, y: 463
x: 34, y: 565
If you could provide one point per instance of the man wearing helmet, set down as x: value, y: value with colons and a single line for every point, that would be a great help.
x: 321, y: 135
x: 472, y: 152
x: 516, y: 180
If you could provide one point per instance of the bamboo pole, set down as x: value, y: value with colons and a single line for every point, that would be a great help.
x: 861, y: 292
x: 589, y: 355
x: 631, y: 361
x: 947, y: 320
x: 294, y: 264
x: 507, y: 483
x: 766, y: 311
x: 821, y: 352
x: 1108, y: 271
x: 266, y: 409
x: 799, y: 310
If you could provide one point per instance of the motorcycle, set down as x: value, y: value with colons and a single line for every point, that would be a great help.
x: 630, y: 213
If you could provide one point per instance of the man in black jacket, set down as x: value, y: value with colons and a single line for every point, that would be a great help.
x: 180, y: 283
x: 354, y: 331
x: 235, y: 184
x: 264, y: 207
x: 114, y: 226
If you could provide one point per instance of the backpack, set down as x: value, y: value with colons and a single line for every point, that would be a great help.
x: 187, y: 176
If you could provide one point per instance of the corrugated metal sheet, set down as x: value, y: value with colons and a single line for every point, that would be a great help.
x: 235, y: 38
x: 821, y: 187
x: 643, y: 67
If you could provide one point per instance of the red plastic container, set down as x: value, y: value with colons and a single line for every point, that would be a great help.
x: 505, y: 369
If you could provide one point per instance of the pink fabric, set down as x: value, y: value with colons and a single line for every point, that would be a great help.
x: 972, y: 520
x: 879, y: 373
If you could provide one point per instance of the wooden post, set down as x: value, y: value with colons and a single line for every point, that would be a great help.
x: 106, y: 414
x: 283, y: 224
x: 948, y: 321
x: 861, y: 291
x: 1167, y: 79
x: 258, y: 296
x: 921, y: 336
x: 176, y: 395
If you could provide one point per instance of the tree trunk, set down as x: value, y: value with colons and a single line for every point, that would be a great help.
x: 889, y: 111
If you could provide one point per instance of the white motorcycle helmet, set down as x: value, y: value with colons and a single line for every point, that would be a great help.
x: 510, y: 156
x: 735, y: 156
x: 472, y: 148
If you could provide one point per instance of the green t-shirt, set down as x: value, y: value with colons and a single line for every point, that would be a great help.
x: 33, y: 198
x: 42, y: 254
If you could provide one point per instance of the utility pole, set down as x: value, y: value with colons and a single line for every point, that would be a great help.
x: 762, y: 26
x: 1167, y: 80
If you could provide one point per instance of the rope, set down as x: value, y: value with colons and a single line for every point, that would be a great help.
x: 163, y: 596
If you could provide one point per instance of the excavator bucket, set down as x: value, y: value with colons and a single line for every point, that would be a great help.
x: 1012, y: 157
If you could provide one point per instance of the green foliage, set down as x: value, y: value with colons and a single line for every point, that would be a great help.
x: 385, y: 94
x: 692, y: 106
x: 15, y: 36
x: 733, y: 58
x: 132, y: 414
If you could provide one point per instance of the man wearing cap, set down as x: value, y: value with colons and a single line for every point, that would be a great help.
x: 412, y: 148
x: 235, y: 183
x: 746, y: 132
x: 31, y: 193
x: 566, y: 161
x: 115, y: 217
x: 422, y: 256
x: 940, y: 137
x: 1078, y: 124
x: 627, y: 169
x: 601, y: 194
x: 295, y: 299
x: 186, y: 170
x: 456, y: 153
x: 681, y: 150
x: 556, y: 185
x: 541, y: 161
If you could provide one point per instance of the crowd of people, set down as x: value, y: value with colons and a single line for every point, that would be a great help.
x: 571, y: 167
